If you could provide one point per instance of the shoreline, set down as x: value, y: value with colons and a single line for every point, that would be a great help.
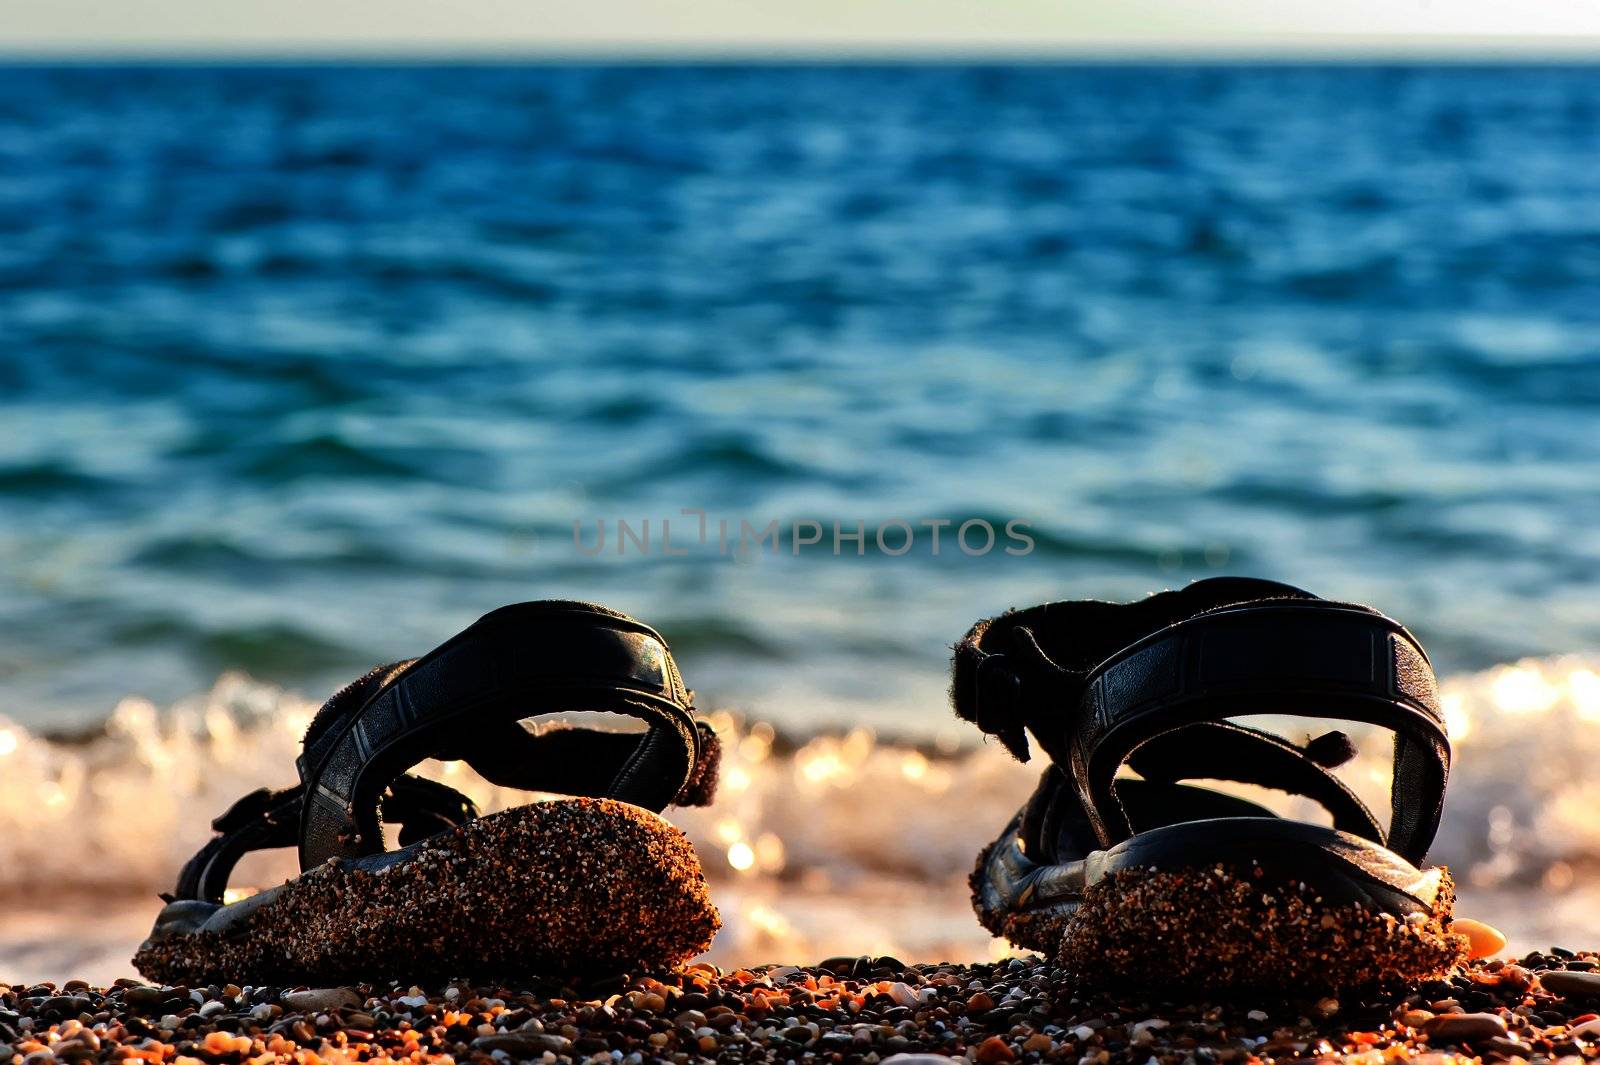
x: 1538, y: 1009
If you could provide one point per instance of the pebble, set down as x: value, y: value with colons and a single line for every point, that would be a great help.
x: 143, y: 996
x: 1483, y: 940
x: 994, y: 1050
x: 321, y: 999
x: 1039, y: 1012
x: 1571, y: 984
x: 519, y: 1044
x: 902, y: 994
x: 1463, y: 1028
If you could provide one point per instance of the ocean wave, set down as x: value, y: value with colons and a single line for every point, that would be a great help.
x: 119, y: 810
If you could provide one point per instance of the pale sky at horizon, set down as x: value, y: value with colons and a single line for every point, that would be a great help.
x: 819, y: 27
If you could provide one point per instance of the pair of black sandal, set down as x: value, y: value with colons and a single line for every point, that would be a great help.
x: 1139, y: 878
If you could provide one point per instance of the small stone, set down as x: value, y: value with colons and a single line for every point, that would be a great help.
x: 145, y: 997
x: 980, y: 1003
x: 1482, y: 940
x: 212, y: 1008
x: 994, y: 1050
x: 321, y: 999
x: 221, y: 1043
x: 1324, y: 1008
x: 524, y: 1045
x: 902, y: 994
x: 1463, y: 1028
x: 1415, y: 1018
x: 916, y: 1059
x: 1504, y: 1045
x: 1256, y: 1015
x: 1038, y: 1043
x: 1516, y: 977
x: 1571, y: 984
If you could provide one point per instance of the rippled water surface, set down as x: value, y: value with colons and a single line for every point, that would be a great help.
x: 302, y: 369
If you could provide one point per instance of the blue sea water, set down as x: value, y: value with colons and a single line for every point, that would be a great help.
x: 302, y: 368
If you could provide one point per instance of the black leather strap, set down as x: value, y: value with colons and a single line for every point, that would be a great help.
x: 466, y: 700
x: 572, y: 761
x: 1225, y: 751
x: 1094, y: 682
x: 265, y: 819
x: 517, y: 662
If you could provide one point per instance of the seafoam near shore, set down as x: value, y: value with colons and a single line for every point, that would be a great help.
x: 836, y: 843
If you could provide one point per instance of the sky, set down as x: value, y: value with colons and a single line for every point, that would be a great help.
x: 800, y: 27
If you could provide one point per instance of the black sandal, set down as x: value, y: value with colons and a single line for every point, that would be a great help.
x: 595, y: 884
x: 1155, y: 882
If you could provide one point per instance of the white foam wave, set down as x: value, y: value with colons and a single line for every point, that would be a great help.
x: 854, y: 824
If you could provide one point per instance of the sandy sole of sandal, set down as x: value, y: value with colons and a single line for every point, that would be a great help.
x: 570, y: 886
x: 1223, y: 929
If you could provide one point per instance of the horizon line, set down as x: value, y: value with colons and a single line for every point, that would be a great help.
x: 1308, y: 49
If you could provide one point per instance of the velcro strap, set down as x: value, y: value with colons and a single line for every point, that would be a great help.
x: 1027, y: 670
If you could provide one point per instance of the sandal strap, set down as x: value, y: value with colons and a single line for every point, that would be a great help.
x: 1223, y: 750
x: 562, y: 759
x: 1094, y: 683
x: 462, y: 699
x: 266, y: 819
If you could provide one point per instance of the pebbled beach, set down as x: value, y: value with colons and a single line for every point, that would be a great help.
x: 1536, y: 1010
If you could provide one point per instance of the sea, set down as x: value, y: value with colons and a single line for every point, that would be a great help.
x: 304, y: 367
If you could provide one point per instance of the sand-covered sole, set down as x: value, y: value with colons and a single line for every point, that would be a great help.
x: 1224, y: 928
x: 570, y: 886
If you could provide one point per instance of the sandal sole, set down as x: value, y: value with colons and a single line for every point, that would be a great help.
x: 568, y: 887
x: 1324, y: 911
